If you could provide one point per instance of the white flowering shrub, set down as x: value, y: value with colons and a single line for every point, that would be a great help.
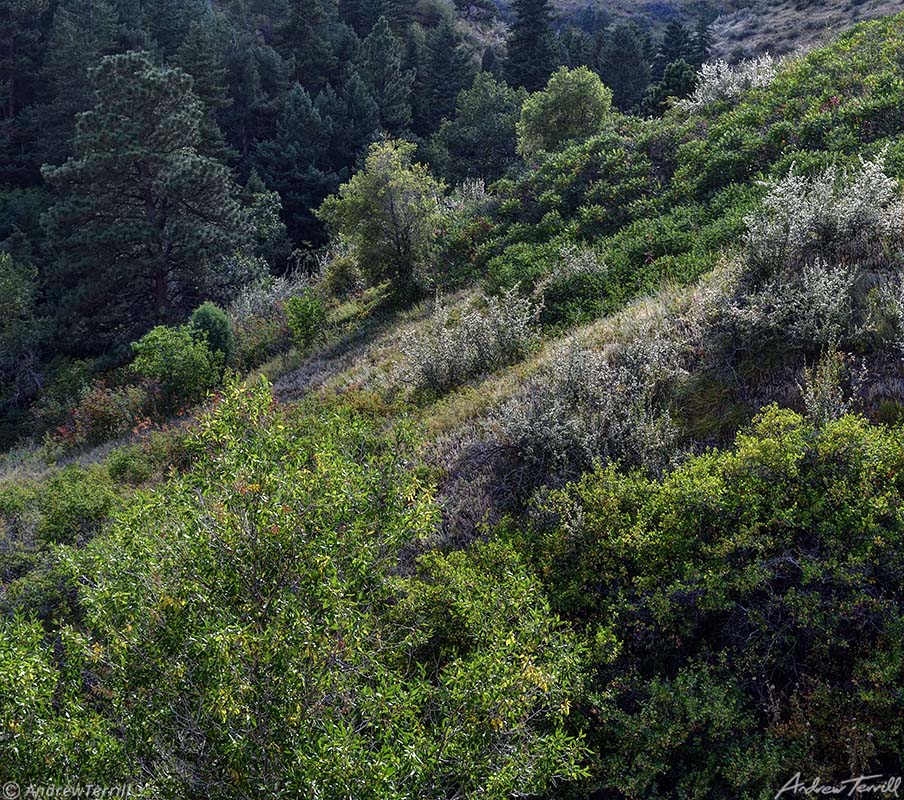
x: 720, y: 82
x: 830, y: 387
x: 460, y: 345
x: 808, y: 310
x: 591, y: 407
x: 842, y: 215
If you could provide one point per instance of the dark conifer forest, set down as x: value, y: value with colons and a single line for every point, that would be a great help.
x: 405, y: 400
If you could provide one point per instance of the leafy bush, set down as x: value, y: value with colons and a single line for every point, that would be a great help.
x: 480, y: 338
x: 180, y: 362
x: 574, y: 105
x: 211, y: 321
x: 258, y: 318
x: 73, y: 503
x: 106, y: 411
x: 588, y: 408
x: 842, y: 215
x: 251, y: 617
x: 386, y: 214
x: 306, y: 315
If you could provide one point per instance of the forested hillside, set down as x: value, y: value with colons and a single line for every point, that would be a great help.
x: 417, y: 401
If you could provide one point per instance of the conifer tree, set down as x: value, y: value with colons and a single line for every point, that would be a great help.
x: 81, y: 33
x: 531, y: 50
x: 702, y: 45
x: 448, y: 70
x: 400, y: 13
x: 21, y: 47
x: 304, y: 37
x: 145, y: 225
x: 479, y: 141
x: 623, y: 66
x: 381, y: 59
x: 295, y: 163
x: 201, y: 56
x: 676, y: 44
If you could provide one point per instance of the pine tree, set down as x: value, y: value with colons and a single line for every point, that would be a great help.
x: 21, y: 48
x: 531, y: 50
x: 145, y: 223
x: 702, y: 45
x: 304, y: 38
x: 448, y: 70
x: 623, y: 66
x: 676, y: 44
x: 257, y: 80
x: 479, y: 141
x: 678, y: 81
x: 490, y: 63
x: 361, y: 15
x: 296, y: 163
x: 400, y: 14
x: 381, y: 67
x: 81, y: 33
x: 201, y: 56
x: 356, y: 120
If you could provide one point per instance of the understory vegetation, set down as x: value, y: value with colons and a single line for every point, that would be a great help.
x: 564, y: 460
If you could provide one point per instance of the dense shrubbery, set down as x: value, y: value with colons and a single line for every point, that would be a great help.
x: 745, y: 610
x: 250, y: 617
x: 181, y: 362
x: 306, y: 315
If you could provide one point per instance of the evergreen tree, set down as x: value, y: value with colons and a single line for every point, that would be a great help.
x: 144, y: 223
x: 490, y: 63
x: 21, y: 48
x: 257, y: 80
x: 676, y: 44
x: 416, y: 62
x: 304, y: 38
x: 295, y: 163
x: 355, y: 117
x: 576, y: 48
x: 81, y: 33
x: 361, y: 15
x: 531, y: 48
x: 448, y: 70
x: 623, y: 66
x: 678, y: 81
x: 702, y: 46
x: 381, y: 67
x: 400, y: 13
x: 201, y: 56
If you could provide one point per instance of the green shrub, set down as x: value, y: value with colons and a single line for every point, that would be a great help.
x: 574, y: 105
x: 307, y: 316
x: 181, y: 363
x: 73, y: 504
x: 211, y: 321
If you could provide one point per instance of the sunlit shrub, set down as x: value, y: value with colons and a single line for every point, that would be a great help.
x: 306, y: 315
x: 180, y: 361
